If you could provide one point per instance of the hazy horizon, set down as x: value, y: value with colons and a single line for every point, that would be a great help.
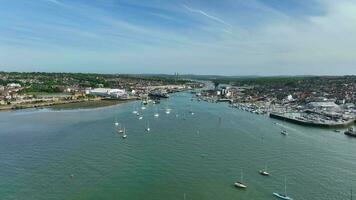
x: 229, y: 37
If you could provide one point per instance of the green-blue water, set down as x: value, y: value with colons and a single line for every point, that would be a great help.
x: 199, y: 156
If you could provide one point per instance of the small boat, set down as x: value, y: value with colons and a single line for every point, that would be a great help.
x: 168, y: 111
x: 156, y: 114
x: 283, y: 196
x: 350, y: 132
x: 284, y: 132
x: 116, y: 123
x: 124, y: 134
x: 148, y: 127
x: 264, y: 172
x: 134, y: 110
x: 143, y: 108
x: 337, y: 131
x: 240, y: 184
x: 137, y: 114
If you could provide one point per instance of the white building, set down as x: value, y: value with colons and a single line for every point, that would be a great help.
x: 13, y: 85
x: 108, y: 92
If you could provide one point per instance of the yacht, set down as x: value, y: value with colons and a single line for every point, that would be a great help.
x: 168, y: 111
x: 156, y: 114
x: 134, y: 110
x: 240, y: 184
x: 148, y: 127
x: 124, y: 134
x: 281, y: 195
x: 284, y: 132
x: 264, y: 173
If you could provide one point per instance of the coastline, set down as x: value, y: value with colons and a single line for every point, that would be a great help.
x: 64, y: 105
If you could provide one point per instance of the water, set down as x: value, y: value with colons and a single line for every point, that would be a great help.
x: 40, y: 150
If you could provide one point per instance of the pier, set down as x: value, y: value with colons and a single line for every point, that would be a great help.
x: 317, y: 122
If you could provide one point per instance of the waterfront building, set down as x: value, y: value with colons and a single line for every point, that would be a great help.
x: 108, y: 93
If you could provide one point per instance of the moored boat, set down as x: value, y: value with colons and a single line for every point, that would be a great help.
x: 350, y: 132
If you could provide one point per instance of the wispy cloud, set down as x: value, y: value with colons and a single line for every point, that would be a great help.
x: 217, y: 19
x: 53, y: 1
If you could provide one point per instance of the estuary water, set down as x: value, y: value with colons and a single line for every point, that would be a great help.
x: 77, y: 154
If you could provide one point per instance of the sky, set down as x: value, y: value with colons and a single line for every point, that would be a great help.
x: 224, y: 37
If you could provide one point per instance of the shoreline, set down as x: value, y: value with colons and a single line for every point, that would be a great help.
x: 67, y: 105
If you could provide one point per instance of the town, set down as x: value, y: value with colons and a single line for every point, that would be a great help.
x: 32, y: 90
x: 316, y: 101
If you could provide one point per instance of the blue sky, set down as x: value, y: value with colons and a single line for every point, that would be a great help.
x: 229, y: 37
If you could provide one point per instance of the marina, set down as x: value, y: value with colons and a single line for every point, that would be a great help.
x: 200, y: 155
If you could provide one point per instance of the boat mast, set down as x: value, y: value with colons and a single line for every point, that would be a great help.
x: 285, y: 185
x: 351, y: 194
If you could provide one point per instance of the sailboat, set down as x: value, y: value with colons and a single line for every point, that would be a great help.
x: 134, y: 110
x: 116, y: 123
x: 283, y: 196
x: 240, y: 183
x: 284, y: 132
x: 124, y: 133
x: 156, y: 114
x: 191, y: 111
x: 120, y: 130
x: 351, y: 194
x: 264, y: 171
x: 148, y: 127
x: 168, y: 110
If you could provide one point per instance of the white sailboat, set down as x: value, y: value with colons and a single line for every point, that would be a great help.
x: 120, y: 130
x: 240, y: 184
x: 191, y: 111
x: 283, y: 196
x: 134, y: 109
x: 264, y: 171
x: 148, y: 127
x: 156, y: 114
x: 116, y: 123
x: 124, y: 133
x: 168, y: 110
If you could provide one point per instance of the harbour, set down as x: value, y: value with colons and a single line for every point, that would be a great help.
x: 78, y: 154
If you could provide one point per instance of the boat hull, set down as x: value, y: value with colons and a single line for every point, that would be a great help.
x: 281, y: 196
x: 240, y: 185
